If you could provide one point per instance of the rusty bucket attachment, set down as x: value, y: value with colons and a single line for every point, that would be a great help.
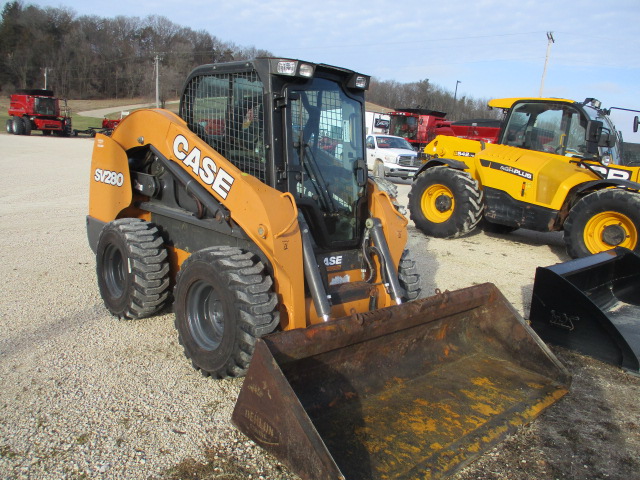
x: 592, y: 305
x: 411, y: 391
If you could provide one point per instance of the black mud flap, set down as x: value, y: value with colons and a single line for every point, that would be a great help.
x: 411, y: 391
x: 592, y: 305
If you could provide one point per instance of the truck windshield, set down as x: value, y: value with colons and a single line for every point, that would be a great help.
x: 327, y: 133
x: 393, y: 142
x: 544, y: 127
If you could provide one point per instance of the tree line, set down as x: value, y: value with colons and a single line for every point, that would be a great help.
x: 83, y: 57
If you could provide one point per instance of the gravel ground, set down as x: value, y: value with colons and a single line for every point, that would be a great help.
x: 85, y: 395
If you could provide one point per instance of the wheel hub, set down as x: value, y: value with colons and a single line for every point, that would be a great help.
x: 443, y: 203
x: 614, y: 235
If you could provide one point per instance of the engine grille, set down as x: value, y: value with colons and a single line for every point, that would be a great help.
x: 408, y: 161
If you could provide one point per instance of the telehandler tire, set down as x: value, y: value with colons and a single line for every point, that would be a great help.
x: 603, y: 220
x: 224, y: 301
x: 445, y: 203
x: 132, y: 268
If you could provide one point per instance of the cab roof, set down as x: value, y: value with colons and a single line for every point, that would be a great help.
x: 508, y: 102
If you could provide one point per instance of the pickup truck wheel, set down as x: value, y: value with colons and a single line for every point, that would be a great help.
x: 132, y: 268
x: 378, y: 168
x: 224, y: 301
x: 445, y: 203
x: 601, y: 221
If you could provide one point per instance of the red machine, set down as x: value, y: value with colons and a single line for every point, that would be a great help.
x: 38, y: 110
x: 420, y: 126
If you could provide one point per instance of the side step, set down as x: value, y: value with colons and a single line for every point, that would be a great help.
x: 411, y: 391
x: 592, y: 305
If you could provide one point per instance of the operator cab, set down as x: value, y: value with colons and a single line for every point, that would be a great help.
x: 295, y: 126
x: 562, y: 127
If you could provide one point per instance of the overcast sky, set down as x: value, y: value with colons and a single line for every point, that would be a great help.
x: 495, y: 48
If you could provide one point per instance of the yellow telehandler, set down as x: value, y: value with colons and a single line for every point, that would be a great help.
x: 557, y: 166
x: 252, y: 213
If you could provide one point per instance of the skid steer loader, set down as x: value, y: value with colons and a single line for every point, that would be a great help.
x: 557, y: 166
x: 289, y: 265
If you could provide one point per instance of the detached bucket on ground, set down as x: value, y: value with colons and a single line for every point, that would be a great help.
x: 592, y: 305
x: 412, y: 391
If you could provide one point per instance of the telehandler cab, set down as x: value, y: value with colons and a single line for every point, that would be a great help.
x: 289, y: 265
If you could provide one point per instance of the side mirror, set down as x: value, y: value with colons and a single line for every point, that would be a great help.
x: 594, y: 131
x: 606, y: 138
x: 636, y: 122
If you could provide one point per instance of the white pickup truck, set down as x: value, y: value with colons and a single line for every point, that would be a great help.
x: 391, y: 156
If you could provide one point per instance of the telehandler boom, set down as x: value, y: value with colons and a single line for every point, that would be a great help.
x: 289, y: 265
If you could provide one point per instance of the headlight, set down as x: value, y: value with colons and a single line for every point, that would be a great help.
x: 391, y: 158
x: 293, y: 68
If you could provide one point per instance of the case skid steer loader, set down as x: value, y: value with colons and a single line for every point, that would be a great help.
x: 288, y: 265
x: 557, y: 166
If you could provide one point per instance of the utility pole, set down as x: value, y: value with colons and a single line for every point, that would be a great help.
x: 157, y: 69
x: 455, y: 96
x: 550, y: 40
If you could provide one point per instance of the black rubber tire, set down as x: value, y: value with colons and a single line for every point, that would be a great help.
x: 449, y: 215
x: 409, y: 277
x: 27, y: 125
x: 18, y: 126
x: 599, y: 214
x: 10, y: 125
x: 133, y: 268
x: 224, y: 301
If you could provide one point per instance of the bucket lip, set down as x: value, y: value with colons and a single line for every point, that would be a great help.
x: 341, y: 332
x: 583, y: 263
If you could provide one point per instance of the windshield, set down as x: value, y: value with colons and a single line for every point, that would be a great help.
x: 45, y: 106
x: 404, y: 126
x: 393, y: 142
x: 544, y: 127
x: 612, y: 151
x: 327, y: 133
